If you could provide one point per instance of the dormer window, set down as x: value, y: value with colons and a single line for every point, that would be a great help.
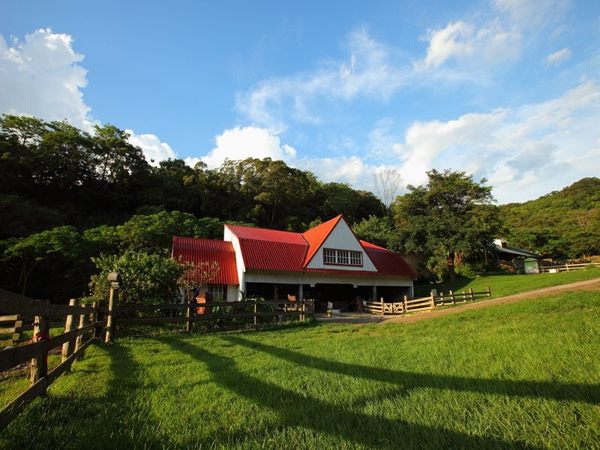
x: 339, y: 257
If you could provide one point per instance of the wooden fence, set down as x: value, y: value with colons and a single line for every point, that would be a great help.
x: 81, y: 326
x: 423, y: 303
x: 567, y: 267
x: 214, y: 314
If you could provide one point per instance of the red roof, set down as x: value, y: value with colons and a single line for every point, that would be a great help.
x: 272, y: 255
x: 317, y: 235
x: 213, y: 261
x: 388, y: 262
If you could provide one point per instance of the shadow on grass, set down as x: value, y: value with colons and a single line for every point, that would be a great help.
x: 588, y: 393
x: 299, y: 411
x: 76, y: 418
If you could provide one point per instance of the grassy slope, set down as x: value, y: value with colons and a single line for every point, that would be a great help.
x: 513, y: 376
x: 508, y: 284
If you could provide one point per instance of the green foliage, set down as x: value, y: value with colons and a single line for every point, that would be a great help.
x: 146, y: 278
x: 377, y: 230
x: 62, y: 242
x: 563, y: 224
x: 451, y: 219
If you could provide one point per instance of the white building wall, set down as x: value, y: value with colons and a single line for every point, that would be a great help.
x: 239, y: 261
x: 341, y: 238
x: 317, y: 278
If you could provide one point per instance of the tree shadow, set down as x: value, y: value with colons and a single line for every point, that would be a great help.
x: 587, y: 393
x: 338, y: 421
x: 75, y: 418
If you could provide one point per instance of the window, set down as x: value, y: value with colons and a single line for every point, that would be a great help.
x: 329, y: 256
x: 216, y: 291
x: 343, y: 257
x: 356, y: 259
x: 333, y: 256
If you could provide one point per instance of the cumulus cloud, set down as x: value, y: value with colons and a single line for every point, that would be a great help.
x: 245, y: 142
x: 154, y: 150
x: 558, y: 57
x: 42, y: 76
x: 371, y: 69
x: 530, y: 148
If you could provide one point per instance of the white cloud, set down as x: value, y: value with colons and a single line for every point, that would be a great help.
x: 371, y: 70
x: 154, y: 150
x: 558, y: 57
x: 455, y: 40
x: 42, y: 76
x: 245, y: 142
x: 532, y: 13
x: 524, y: 152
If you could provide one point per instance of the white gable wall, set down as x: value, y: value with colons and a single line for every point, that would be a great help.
x: 341, y: 238
x: 239, y: 262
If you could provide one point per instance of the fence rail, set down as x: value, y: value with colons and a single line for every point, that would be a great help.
x: 567, y: 267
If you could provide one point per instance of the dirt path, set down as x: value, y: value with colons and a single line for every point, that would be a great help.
x: 588, y: 285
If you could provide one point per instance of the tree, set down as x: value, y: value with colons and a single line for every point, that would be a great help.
x: 388, y: 182
x: 34, y: 249
x: 451, y: 219
x: 146, y: 278
x: 377, y: 230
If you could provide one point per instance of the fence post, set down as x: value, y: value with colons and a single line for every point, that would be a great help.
x: 39, y: 364
x: 188, y: 316
x: 452, y: 298
x: 113, y: 299
x: 433, y: 294
x: 382, y: 306
x: 489, y: 292
x: 302, y: 310
x: 67, y: 347
x: 442, y: 300
x: 18, y: 333
x: 94, y: 319
x: 79, y: 340
x: 471, y: 294
x: 255, y: 316
x: 404, y: 303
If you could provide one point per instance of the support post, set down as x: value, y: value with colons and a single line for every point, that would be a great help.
x: 79, y: 340
x: 67, y: 347
x: 18, y: 333
x: 39, y: 364
x: 113, y: 299
x: 374, y: 293
x: 188, y: 316
x: 255, y: 313
x: 433, y: 294
x: 94, y: 319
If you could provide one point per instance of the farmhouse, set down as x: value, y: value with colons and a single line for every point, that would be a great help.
x: 326, y: 263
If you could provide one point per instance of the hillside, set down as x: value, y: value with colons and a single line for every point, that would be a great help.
x: 564, y: 224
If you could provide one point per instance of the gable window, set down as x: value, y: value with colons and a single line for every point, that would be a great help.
x: 332, y: 256
x: 329, y: 256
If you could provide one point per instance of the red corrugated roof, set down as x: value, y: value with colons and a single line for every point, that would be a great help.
x: 317, y: 235
x: 264, y: 234
x: 214, y: 261
x: 387, y: 262
x: 269, y: 255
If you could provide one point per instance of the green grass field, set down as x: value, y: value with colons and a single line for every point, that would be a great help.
x: 523, y: 375
x: 508, y: 284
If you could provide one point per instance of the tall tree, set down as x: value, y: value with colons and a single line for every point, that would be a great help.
x: 451, y: 219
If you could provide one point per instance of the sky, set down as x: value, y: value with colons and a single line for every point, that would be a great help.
x: 505, y: 90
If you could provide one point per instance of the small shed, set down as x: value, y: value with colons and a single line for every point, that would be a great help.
x: 531, y: 265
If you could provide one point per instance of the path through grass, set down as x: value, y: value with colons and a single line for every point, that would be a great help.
x: 524, y: 375
x: 508, y: 284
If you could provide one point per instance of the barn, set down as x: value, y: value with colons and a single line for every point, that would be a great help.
x: 327, y: 263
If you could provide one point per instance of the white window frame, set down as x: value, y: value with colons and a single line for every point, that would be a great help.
x: 217, y: 291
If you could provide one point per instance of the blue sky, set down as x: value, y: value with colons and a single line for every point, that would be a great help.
x: 504, y: 89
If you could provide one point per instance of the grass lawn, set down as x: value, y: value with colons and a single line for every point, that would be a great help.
x: 507, y: 284
x: 524, y: 375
